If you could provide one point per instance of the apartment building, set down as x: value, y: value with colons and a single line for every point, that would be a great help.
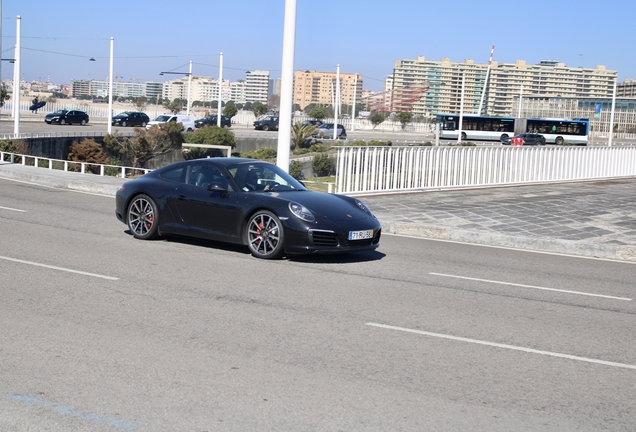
x: 626, y: 89
x: 311, y: 87
x: 506, y: 82
x: 79, y: 88
x: 257, y: 85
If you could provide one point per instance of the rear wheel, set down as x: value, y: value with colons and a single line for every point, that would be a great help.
x: 123, y: 123
x: 265, y: 127
x: 463, y: 136
x: 143, y: 124
x: 265, y: 235
x: 62, y: 121
x: 142, y: 217
x: 83, y: 122
x: 558, y: 141
x: 503, y: 137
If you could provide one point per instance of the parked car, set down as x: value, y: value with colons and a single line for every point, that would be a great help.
x: 186, y: 120
x: 267, y: 123
x: 131, y: 118
x: 211, y: 120
x: 527, y: 139
x: 312, y: 122
x: 247, y: 202
x: 325, y: 130
x: 65, y: 116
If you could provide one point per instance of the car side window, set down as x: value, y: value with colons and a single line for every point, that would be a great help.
x: 174, y: 174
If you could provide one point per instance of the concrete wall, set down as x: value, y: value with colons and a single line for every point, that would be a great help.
x: 58, y: 148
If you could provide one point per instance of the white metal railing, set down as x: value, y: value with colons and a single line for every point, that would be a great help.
x: 69, y: 166
x: 391, y: 169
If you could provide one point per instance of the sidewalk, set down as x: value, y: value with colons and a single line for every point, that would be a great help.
x: 594, y: 219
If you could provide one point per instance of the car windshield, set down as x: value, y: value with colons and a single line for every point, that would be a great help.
x: 124, y: 114
x: 163, y: 118
x: 61, y: 111
x: 263, y: 177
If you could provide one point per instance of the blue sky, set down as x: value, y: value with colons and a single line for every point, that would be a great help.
x: 364, y: 37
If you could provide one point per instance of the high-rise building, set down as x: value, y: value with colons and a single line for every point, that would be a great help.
x: 80, y: 88
x: 257, y: 86
x: 506, y: 82
x: 626, y: 89
x: 311, y: 87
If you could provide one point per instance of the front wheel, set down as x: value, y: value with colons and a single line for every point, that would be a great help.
x: 558, y: 141
x: 463, y: 136
x: 503, y: 137
x: 83, y: 123
x: 142, y: 217
x: 62, y: 122
x: 265, y: 127
x: 265, y: 235
x: 123, y: 124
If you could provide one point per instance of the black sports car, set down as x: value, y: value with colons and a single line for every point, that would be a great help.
x: 245, y: 201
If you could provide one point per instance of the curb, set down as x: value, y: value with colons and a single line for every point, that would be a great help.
x: 569, y: 247
x: 87, y: 184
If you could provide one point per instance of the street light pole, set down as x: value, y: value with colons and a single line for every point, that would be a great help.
x: 611, y: 126
x: 461, y: 109
x: 16, y: 78
x: 336, y: 105
x: 287, y: 85
x: 218, y: 115
x: 189, y: 87
x: 110, y: 86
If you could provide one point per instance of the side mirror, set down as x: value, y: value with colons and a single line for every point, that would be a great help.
x: 218, y: 187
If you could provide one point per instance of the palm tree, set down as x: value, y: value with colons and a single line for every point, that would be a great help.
x: 301, y: 133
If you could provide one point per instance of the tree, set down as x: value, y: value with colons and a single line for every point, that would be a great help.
x: 141, y: 103
x: 319, y: 113
x: 174, y: 107
x: 4, y: 95
x: 301, y: 133
x: 376, y: 118
x: 249, y: 106
x: 230, y: 110
x: 259, y: 109
x: 137, y: 150
x: 404, y: 117
x: 211, y: 135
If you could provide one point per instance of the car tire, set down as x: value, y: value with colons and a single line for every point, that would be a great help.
x: 503, y: 137
x: 265, y: 127
x: 558, y: 140
x: 83, y: 123
x: 143, y: 124
x: 264, y: 235
x: 463, y: 136
x: 143, y: 218
x: 62, y: 121
x: 123, y: 124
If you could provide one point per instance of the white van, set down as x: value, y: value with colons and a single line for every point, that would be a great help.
x: 186, y: 120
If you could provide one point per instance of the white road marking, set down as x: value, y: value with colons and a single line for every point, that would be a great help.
x: 12, y: 209
x: 532, y: 287
x: 510, y: 347
x: 58, y: 268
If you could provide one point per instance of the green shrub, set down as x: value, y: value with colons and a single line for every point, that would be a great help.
x: 426, y: 144
x: 296, y: 170
x: 357, y: 143
x: 211, y: 135
x: 323, y: 165
x: 263, y: 153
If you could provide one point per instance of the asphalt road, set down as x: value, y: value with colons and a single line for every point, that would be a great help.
x: 103, y: 332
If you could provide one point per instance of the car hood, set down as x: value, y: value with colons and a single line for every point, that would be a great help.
x: 326, y: 206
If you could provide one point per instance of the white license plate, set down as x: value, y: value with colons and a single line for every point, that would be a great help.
x: 360, y: 235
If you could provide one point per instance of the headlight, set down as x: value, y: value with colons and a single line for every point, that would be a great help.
x: 364, y: 207
x: 301, y: 212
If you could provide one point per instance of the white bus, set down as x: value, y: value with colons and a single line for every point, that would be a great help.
x: 555, y: 131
